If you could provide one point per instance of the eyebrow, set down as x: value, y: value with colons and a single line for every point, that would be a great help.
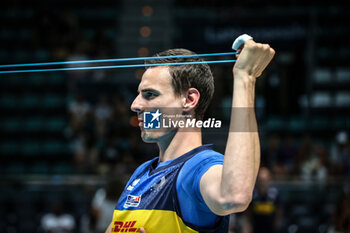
x: 148, y: 89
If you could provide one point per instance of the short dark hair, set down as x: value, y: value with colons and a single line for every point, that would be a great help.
x: 197, y: 76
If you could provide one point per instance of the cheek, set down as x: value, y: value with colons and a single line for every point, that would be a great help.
x: 173, y: 102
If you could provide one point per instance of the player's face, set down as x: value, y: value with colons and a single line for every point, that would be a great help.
x: 156, y: 92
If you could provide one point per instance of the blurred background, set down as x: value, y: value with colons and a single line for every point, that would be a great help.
x: 69, y: 142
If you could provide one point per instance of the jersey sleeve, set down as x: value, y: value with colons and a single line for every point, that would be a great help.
x: 203, y: 166
x: 192, y: 205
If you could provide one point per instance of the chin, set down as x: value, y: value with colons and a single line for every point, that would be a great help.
x: 149, y: 137
x: 155, y: 136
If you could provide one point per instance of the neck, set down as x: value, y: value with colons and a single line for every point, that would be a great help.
x: 178, y: 144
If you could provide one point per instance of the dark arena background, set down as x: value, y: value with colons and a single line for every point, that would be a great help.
x: 69, y: 142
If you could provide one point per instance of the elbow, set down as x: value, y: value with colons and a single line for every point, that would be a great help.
x: 236, y: 203
x: 243, y: 200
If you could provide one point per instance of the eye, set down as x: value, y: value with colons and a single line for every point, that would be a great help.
x: 149, y: 95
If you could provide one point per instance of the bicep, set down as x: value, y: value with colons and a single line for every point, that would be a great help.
x: 210, y: 189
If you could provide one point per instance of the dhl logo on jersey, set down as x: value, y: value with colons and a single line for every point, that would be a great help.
x: 127, y: 226
x: 151, y: 220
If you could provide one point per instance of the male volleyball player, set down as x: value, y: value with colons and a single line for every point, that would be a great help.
x: 190, y: 187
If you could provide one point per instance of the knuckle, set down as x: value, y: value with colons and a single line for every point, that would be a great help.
x: 266, y: 46
x: 250, y: 45
x: 255, y: 46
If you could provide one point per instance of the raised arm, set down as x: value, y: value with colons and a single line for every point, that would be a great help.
x: 228, y: 188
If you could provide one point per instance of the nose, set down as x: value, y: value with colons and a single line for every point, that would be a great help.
x: 136, y: 105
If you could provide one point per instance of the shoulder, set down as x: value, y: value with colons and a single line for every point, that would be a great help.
x: 205, y: 158
x: 193, y: 170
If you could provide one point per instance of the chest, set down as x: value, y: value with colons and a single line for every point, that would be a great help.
x: 150, y: 189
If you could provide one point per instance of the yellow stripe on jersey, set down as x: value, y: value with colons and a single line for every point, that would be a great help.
x: 151, y: 220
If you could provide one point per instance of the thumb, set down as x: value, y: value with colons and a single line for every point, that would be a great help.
x: 142, y: 230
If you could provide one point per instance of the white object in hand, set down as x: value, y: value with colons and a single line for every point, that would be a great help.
x: 239, y: 41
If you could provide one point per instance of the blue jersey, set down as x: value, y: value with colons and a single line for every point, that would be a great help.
x: 165, y: 197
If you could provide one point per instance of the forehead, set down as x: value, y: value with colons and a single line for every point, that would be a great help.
x: 156, y: 78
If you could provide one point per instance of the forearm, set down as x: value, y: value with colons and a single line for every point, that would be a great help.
x: 242, y: 154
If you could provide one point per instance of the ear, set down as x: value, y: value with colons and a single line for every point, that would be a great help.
x: 191, y: 99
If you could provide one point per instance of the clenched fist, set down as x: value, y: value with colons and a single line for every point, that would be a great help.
x: 253, y: 59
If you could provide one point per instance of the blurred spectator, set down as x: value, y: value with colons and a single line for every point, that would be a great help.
x: 80, y: 52
x: 57, y: 221
x: 137, y: 149
x: 340, y: 155
x: 287, y: 155
x: 265, y: 211
x: 110, y: 154
x: 102, y: 113
x: 78, y: 110
x: 270, y: 154
x: 85, y: 153
x: 341, y: 216
x: 312, y: 160
x: 102, y: 110
x: 125, y: 166
x: 260, y: 107
x: 102, y: 208
x: 120, y: 112
x: 239, y: 223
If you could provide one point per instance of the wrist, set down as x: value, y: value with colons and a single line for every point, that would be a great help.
x: 245, y: 82
x: 243, y: 76
x: 243, y: 90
